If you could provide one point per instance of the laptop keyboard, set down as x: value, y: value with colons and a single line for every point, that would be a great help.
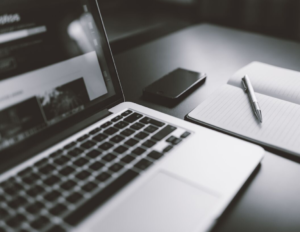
x: 59, y: 191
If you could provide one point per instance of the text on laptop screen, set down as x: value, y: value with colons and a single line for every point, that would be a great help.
x: 52, y: 66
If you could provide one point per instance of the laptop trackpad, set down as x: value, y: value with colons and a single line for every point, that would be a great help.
x: 164, y: 203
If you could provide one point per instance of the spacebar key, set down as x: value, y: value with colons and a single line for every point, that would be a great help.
x: 163, y: 133
x: 93, y: 203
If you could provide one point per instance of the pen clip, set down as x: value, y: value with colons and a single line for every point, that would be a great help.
x: 244, y: 84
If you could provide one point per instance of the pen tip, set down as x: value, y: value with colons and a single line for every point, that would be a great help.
x: 260, y: 116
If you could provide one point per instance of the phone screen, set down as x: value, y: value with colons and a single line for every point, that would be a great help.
x: 175, y: 84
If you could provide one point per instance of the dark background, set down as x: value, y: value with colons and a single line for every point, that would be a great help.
x: 130, y: 23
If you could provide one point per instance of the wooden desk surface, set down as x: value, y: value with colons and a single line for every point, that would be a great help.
x: 271, y: 200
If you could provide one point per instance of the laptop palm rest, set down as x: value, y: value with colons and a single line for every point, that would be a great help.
x: 164, y: 203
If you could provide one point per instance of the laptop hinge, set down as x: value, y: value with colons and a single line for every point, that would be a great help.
x: 10, y: 163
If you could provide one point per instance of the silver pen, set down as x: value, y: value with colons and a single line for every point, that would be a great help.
x: 255, y: 106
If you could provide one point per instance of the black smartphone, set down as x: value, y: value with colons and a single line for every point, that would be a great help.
x: 174, y: 85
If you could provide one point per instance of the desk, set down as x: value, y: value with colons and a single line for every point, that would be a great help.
x: 271, y: 200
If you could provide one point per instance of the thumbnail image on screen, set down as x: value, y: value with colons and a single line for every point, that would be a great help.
x: 64, y: 100
x: 20, y: 121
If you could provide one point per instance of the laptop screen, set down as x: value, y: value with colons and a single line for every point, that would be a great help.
x: 53, y: 65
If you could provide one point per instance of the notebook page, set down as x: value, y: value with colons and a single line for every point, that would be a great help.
x: 229, y: 109
x: 271, y: 80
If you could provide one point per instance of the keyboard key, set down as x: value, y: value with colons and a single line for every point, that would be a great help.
x: 56, y: 228
x: 109, y: 157
x: 117, y: 139
x: 117, y: 118
x: 111, y: 131
x: 143, y: 164
x: 107, y: 124
x: 128, y: 159
x: 168, y: 148
x: 121, y: 125
x: 56, y: 153
x: 66, y: 171
x: 138, y: 151
x: 185, y: 135
x: 62, y: 160
x: 89, y: 187
x: 126, y: 113
x: 137, y: 126
x: 40, y: 222
x: 99, y: 137
x: 133, y: 117
x: 17, y: 202
x: 147, y: 120
x: 93, y: 154
x: 155, y: 155
x: 98, y: 199
x: 52, y: 196
x: 83, y: 175
x: 13, y: 189
x: 41, y: 162
x: 156, y: 123
x: 92, y: 132
x: 82, y: 138
x: 47, y: 169
x: 176, y: 141
x: 120, y: 149
x: 58, y: 209
x: 171, y: 139
x: 131, y: 142
x: 88, y: 144
x: 74, y: 197
x: 103, y: 176
x: 35, y: 207
x: 80, y: 162
x: 96, y: 166
x: 149, y: 143
x: 25, y: 171
x: 16, y: 220
x: 3, y: 213
x: 36, y: 190
x: 164, y: 132
x: 31, y: 178
x: 151, y: 129
x: 127, y: 132
x: 68, y: 185
x: 2, y: 198
x: 141, y: 135
x: 115, y: 167
x: 21, y: 230
x: 105, y: 146
x: 70, y: 145
x: 75, y: 152
x: 51, y: 180
x: 8, y: 182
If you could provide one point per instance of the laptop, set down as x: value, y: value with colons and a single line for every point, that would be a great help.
x: 75, y: 156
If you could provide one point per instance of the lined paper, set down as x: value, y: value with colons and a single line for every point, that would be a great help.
x: 229, y: 109
x: 270, y: 80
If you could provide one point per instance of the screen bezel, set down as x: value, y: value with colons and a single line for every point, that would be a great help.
x: 50, y: 133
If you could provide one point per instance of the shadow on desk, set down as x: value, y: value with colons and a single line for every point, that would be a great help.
x: 171, y: 103
x: 159, y: 101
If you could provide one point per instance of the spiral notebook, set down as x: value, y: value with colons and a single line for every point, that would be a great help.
x: 278, y: 93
